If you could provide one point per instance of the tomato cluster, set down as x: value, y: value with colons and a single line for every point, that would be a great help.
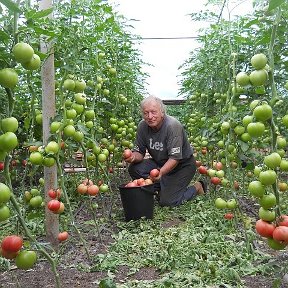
x: 10, y: 249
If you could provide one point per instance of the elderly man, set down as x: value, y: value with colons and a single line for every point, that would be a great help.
x: 165, y: 139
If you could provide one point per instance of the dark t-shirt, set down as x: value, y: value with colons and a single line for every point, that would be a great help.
x: 169, y: 142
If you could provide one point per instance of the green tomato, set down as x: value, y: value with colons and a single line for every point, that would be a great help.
x: 22, y: 52
x: 9, y: 124
x: 256, y: 189
x: 268, y: 177
x: 259, y: 61
x: 33, y: 64
x: 4, y: 212
x: 26, y: 259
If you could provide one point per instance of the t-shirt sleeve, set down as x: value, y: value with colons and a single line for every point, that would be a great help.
x: 139, y: 144
x: 175, y: 141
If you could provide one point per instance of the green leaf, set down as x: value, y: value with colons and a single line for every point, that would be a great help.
x: 40, y: 14
x: 274, y: 4
x: 10, y: 5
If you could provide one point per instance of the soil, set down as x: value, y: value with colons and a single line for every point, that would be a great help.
x: 74, y: 257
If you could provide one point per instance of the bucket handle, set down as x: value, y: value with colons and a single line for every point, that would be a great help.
x: 148, y: 190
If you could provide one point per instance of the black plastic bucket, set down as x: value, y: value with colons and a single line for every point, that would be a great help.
x: 137, y: 201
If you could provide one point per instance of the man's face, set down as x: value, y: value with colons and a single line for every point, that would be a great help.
x: 153, y: 115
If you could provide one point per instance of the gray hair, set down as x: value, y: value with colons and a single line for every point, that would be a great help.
x: 152, y: 98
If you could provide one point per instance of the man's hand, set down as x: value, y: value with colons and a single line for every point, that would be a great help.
x: 155, y: 175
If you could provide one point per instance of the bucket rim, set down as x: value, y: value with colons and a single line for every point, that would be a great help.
x: 123, y: 186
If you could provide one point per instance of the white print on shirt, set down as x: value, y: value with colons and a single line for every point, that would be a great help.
x: 156, y: 146
x: 175, y: 150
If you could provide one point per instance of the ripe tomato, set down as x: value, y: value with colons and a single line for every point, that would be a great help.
x: 61, y: 209
x: 87, y: 182
x: 12, y: 243
x: 5, y: 193
x: 202, y: 170
x: 148, y: 181
x: 154, y: 173
x: 131, y: 184
x: 93, y: 190
x: 229, y: 216
x: 2, y: 166
x: 218, y: 166
x: 8, y: 255
x: 26, y: 259
x: 283, y: 220
x: 53, y: 205
x: 127, y: 153
x: 82, y: 189
x: 264, y: 229
x: 281, y: 234
x: 62, y: 236
x: 54, y: 193
x: 215, y: 180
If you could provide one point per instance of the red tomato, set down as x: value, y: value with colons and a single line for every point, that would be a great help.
x: 218, y: 166
x: 127, y: 153
x: 82, y: 188
x: 54, y: 193
x: 236, y: 185
x: 198, y: 163
x: 283, y: 220
x: 8, y: 255
x: 24, y: 162
x: 61, y: 209
x: 62, y: 236
x: 53, y: 205
x: 215, y: 180
x: 131, y: 184
x: 12, y: 243
x: 229, y: 216
x: 1, y: 166
x: 93, y: 190
x: 264, y: 229
x: 154, y: 173
x: 87, y: 182
x: 281, y: 234
x: 202, y: 170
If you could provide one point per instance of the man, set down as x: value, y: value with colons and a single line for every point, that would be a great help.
x: 165, y: 139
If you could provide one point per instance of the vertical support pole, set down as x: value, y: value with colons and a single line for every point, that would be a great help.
x: 48, y: 111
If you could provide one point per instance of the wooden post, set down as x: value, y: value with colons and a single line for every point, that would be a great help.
x: 48, y: 111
